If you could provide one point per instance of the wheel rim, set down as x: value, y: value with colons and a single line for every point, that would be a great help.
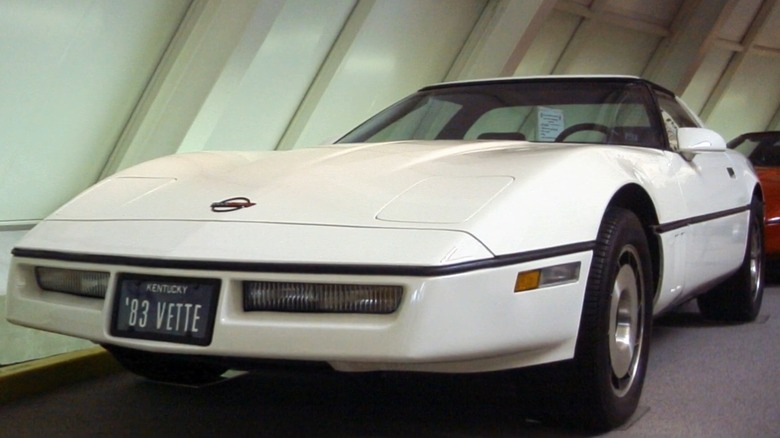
x: 626, y: 321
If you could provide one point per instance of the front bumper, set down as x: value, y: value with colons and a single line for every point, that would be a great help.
x: 464, y: 322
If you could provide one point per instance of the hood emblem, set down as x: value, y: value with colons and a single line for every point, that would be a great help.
x: 231, y: 204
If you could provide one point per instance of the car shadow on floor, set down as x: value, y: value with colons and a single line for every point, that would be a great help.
x: 688, y: 315
x: 322, y: 403
x: 327, y: 403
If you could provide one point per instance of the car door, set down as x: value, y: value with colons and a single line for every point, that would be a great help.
x: 715, y: 224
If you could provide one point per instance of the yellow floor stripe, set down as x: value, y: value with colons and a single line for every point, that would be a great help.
x: 42, y: 375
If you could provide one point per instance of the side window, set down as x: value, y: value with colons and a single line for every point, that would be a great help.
x: 675, y: 116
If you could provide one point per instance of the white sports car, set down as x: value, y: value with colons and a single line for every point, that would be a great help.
x: 471, y: 227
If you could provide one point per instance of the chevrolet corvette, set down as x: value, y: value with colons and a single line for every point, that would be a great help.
x: 473, y: 226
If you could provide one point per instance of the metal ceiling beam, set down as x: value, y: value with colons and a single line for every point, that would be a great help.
x: 738, y: 58
x: 584, y: 32
x: 500, y: 38
x: 613, y: 18
x: 694, y: 30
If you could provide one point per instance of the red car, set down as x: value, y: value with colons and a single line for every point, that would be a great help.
x: 763, y: 150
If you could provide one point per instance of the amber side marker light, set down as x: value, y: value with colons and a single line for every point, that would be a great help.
x: 549, y: 276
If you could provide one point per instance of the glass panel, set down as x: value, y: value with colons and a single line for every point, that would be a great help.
x: 422, y: 123
x: 540, y: 110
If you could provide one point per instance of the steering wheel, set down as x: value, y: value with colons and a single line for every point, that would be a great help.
x: 581, y: 127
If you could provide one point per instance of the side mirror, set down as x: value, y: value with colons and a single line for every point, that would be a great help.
x: 695, y: 140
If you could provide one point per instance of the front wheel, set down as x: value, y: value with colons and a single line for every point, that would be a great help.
x: 613, y: 343
x: 600, y: 388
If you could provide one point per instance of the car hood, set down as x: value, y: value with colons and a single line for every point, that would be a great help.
x: 466, y: 200
x: 368, y: 185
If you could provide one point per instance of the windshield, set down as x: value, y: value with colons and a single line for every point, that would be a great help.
x: 538, y: 111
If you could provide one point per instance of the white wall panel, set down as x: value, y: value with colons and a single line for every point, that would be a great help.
x: 705, y: 79
x: 8, y: 240
x: 549, y: 45
x: 71, y: 71
x: 501, y: 38
x: 260, y: 108
x: 613, y: 50
x: 746, y: 107
x: 770, y: 34
x: 205, y: 61
x: 401, y: 45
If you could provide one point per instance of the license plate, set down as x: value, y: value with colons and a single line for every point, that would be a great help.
x: 168, y: 309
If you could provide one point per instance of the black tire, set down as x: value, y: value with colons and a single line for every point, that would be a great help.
x: 166, y: 367
x: 617, y: 312
x: 739, y: 298
x: 600, y: 388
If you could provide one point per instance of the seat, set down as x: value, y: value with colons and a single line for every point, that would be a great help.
x: 518, y: 136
